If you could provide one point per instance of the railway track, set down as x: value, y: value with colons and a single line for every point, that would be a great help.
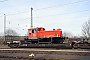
x: 6, y: 48
x: 45, y: 49
x: 21, y: 50
x: 44, y: 54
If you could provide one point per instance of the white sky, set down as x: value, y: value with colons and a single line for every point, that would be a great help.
x: 69, y: 15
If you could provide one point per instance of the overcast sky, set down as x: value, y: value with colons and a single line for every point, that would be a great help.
x: 69, y: 15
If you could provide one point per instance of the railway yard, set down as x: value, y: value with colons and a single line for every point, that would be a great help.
x: 7, y: 53
x: 22, y: 40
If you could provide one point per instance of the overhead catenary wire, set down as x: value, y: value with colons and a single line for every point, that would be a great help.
x: 12, y: 5
x: 63, y: 13
x: 20, y: 12
x: 9, y: 13
x: 58, y: 19
x: 18, y: 24
x: 57, y: 14
x: 54, y: 14
x: 62, y: 5
x: 55, y: 19
x: 48, y: 15
x: 51, y: 6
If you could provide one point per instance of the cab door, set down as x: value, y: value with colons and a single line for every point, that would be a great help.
x: 33, y: 33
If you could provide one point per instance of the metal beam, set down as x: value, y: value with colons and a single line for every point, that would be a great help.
x: 4, y: 28
x: 31, y: 18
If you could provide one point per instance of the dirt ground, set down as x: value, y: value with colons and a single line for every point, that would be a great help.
x: 4, y: 46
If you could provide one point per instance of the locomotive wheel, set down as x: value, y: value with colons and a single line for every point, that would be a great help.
x: 13, y: 45
x: 72, y: 44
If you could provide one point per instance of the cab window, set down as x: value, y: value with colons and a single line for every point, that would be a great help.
x: 33, y: 30
x: 39, y: 29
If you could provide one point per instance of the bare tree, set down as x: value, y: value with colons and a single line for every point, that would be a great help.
x: 11, y: 32
x: 68, y: 34
x: 86, y: 29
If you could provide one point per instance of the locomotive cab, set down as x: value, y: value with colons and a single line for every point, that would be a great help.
x: 33, y: 35
x: 34, y: 32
